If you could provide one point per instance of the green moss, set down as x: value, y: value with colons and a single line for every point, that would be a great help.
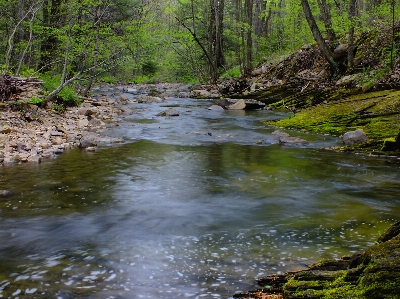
x: 377, y: 113
x: 378, y: 276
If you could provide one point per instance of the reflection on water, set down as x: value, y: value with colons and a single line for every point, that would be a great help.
x: 177, y: 212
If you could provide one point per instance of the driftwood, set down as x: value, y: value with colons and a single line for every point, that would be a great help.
x: 10, y: 85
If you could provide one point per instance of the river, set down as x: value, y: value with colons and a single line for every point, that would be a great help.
x: 194, y: 206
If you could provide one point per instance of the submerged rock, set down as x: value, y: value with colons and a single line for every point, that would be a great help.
x: 215, y: 108
x: 169, y: 112
x: 5, y: 193
x: 285, y: 138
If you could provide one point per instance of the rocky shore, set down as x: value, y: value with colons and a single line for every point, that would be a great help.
x: 32, y: 133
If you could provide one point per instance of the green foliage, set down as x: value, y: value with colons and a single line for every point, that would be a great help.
x: 142, y: 40
x: 35, y: 101
x: 67, y: 96
x: 232, y: 73
x: 108, y: 79
x: 149, y: 67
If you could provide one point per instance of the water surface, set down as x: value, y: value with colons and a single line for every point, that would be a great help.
x: 195, y: 206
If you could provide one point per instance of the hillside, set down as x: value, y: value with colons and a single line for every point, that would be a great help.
x: 365, y: 97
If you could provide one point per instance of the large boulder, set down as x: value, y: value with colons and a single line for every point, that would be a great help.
x: 239, y: 105
x: 354, y: 137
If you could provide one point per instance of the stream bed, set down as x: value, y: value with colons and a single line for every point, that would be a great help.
x: 193, y: 206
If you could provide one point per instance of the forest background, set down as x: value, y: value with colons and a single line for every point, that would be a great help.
x: 72, y: 44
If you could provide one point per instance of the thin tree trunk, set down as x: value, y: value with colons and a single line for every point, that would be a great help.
x: 95, y: 53
x: 249, y: 36
x: 393, y: 7
x: 34, y: 11
x: 11, y: 37
x: 326, y: 52
x: 350, y: 49
x: 197, y: 41
x: 327, y: 19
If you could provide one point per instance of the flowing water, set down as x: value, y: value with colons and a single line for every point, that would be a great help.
x: 195, y: 206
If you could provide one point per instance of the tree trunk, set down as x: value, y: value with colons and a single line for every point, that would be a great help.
x: 258, y: 21
x: 249, y: 36
x: 326, y: 52
x: 95, y: 52
x: 215, y: 30
x: 266, y: 22
x: 219, y: 14
x: 327, y: 19
x: 350, y: 49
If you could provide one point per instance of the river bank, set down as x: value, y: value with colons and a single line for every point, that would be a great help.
x: 30, y: 132
x: 372, y: 273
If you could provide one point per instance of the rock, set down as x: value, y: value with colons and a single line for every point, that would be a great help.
x: 306, y: 47
x: 86, y: 142
x: 223, y: 102
x: 86, y: 111
x: 279, y: 133
x: 56, y: 133
x: 57, y: 141
x: 239, y: 105
x: 149, y: 99
x: 81, y: 123
x: 5, y: 193
x: 21, y: 147
x: 131, y: 90
x: 35, y: 159
x: 354, y: 137
x: 215, y: 108
x: 5, y: 130
x: 91, y: 149
x: 8, y: 161
x: 346, y: 80
x: 201, y: 93
x: 368, y: 85
x: 123, y: 98
x: 292, y: 140
x: 254, y: 105
x: 259, y: 71
x: 340, y: 51
x: 285, y: 138
x: 95, y: 123
x: 183, y: 94
x: 169, y: 112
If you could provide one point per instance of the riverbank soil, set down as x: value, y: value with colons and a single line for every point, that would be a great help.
x: 366, y: 97
x: 373, y: 273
